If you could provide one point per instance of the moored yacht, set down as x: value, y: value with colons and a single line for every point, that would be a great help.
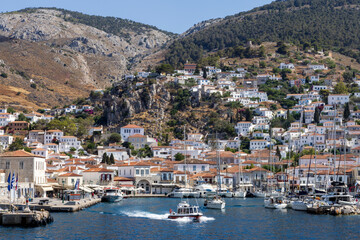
x: 225, y: 193
x: 112, y: 194
x: 184, y: 193
x: 215, y: 203
x: 240, y: 193
x: 338, y: 193
x: 275, y: 203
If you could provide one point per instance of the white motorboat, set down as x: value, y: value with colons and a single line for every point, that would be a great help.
x: 300, y: 205
x: 215, y: 203
x: 205, y: 190
x: 260, y: 194
x: 338, y: 194
x: 240, y: 194
x: 280, y: 205
x: 274, y: 203
x: 112, y: 194
x: 185, y: 210
x: 184, y: 193
x: 225, y: 193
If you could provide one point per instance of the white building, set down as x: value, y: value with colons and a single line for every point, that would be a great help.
x: 68, y: 142
x: 192, y: 166
x: 119, y: 154
x: 5, y: 141
x: 130, y: 130
x: 243, y: 128
x: 6, y: 118
x: 338, y: 99
x: 52, y: 135
x: 318, y: 67
x: 258, y: 144
x: 286, y: 66
x: 162, y: 151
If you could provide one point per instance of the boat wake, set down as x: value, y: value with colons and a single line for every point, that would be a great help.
x: 154, y: 216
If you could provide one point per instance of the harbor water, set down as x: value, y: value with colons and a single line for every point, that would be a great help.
x: 146, y: 218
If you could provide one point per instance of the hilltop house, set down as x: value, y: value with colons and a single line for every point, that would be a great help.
x: 130, y: 130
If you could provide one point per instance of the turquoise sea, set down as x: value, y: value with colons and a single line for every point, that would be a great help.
x: 146, y: 218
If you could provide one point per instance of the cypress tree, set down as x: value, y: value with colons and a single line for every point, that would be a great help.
x: 317, y: 115
x: 278, y: 152
x: 347, y: 111
x: 112, y: 159
x: 104, y: 157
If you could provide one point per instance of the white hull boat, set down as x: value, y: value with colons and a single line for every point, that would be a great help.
x: 184, y: 193
x: 280, y: 205
x: 260, y: 194
x: 226, y: 194
x: 185, y: 210
x: 216, y: 203
x: 112, y: 195
x: 240, y: 194
x: 299, y: 205
x: 274, y: 203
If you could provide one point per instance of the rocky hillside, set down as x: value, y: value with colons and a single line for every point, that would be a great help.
x: 66, y: 58
x: 329, y: 24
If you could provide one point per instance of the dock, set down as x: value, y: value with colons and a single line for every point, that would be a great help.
x: 56, y: 205
x: 146, y: 196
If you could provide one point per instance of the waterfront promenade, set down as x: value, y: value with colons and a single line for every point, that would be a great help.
x: 56, y: 205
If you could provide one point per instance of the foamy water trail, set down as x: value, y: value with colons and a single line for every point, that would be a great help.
x: 154, y: 216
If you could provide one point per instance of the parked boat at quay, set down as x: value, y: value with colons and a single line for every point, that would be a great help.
x: 240, y: 193
x: 184, y: 193
x: 217, y: 202
x: 112, y: 194
x: 275, y: 202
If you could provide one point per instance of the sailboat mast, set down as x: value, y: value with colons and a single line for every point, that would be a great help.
x: 344, y: 155
x: 186, y: 178
x: 334, y: 139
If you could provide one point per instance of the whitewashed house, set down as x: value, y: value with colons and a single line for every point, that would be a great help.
x: 130, y: 130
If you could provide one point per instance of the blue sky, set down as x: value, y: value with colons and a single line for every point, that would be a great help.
x: 171, y: 15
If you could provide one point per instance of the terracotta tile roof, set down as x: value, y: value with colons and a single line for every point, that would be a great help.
x: 192, y: 161
x: 18, y: 153
x: 98, y: 170
x: 39, y: 149
x: 161, y: 170
x: 131, y: 126
x: 141, y: 163
x: 137, y: 136
x: 122, y: 179
x: 50, y: 180
x: 70, y: 175
x: 55, y: 130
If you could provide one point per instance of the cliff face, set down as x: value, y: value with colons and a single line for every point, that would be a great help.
x: 66, y: 59
x: 127, y: 101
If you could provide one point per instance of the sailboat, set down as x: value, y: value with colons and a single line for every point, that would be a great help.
x: 216, y: 202
x: 240, y: 192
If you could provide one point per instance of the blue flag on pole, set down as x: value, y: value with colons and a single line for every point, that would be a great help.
x: 9, y: 186
x: 12, y: 181
x: 77, y: 185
